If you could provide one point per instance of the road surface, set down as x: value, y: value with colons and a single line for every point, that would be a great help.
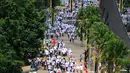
x: 76, y: 49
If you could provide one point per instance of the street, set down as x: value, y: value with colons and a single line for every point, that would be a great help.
x: 76, y: 50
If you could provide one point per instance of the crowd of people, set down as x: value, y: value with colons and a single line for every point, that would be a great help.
x: 57, y: 62
x: 57, y: 58
x: 60, y: 27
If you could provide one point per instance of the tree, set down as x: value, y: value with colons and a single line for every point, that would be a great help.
x: 126, y: 3
x: 99, y: 33
x: 7, y: 62
x: 87, y: 16
x: 81, y: 23
x: 103, y: 38
x: 115, y: 50
x: 42, y: 4
x: 58, y: 2
x: 21, y: 31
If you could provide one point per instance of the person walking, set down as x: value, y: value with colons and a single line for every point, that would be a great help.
x: 81, y: 57
x: 81, y: 68
x: 86, y: 71
x: 85, y: 54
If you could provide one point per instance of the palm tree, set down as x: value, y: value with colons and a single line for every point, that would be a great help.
x: 110, y: 48
x: 87, y: 17
x: 121, y: 5
x: 113, y: 52
x: 99, y: 30
x: 81, y: 23
x: 100, y: 36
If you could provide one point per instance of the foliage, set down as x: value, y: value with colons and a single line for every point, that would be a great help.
x: 21, y: 30
x: 127, y: 3
x: 8, y: 64
x: 110, y: 48
x: 87, y: 16
x: 58, y: 2
x: 42, y: 4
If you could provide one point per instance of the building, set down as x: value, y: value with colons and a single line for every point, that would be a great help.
x: 111, y: 16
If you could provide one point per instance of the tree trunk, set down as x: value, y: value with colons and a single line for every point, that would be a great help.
x: 118, y: 68
x: 52, y: 16
x: 81, y: 36
x: 121, y: 5
x: 88, y: 32
x: 110, y: 67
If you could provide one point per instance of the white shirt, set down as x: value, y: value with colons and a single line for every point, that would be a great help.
x: 71, y: 64
x: 69, y: 69
x: 51, y: 71
x: 57, y: 60
x: 70, y: 51
x: 66, y: 64
x: 63, y: 51
x: 49, y: 66
x: 46, y: 51
x: 81, y: 67
x: 58, y: 70
x: 78, y: 67
x: 48, y: 62
x: 55, y: 69
x: 53, y: 62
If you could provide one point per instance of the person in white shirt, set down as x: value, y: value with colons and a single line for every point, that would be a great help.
x: 72, y: 37
x: 81, y: 68
x: 47, y: 53
x: 77, y: 68
x: 68, y: 69
x: 69, y: 52
x: 55, y: 70
x: 71, y: 64
x: 58, y: 70
x: 38, y: 59
x: 64, y: 52
x: 51, y: 71
x: 48, y: 62
x: 45, y: 64
x: 51, y: 52
x: 49, y: 67
x: 72, y: 70
x: 67, y: 65
x: 53, y: 63
x: 41, y: 53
